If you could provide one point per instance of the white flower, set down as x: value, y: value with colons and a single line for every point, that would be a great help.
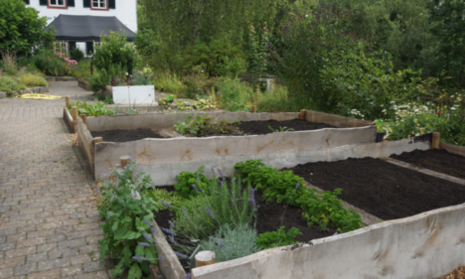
x: 452, y: 108
x: 306, y: 15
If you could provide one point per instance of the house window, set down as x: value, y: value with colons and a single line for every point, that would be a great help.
x: 61, y: 47
x: 99, y: 4
x: 57, y: 3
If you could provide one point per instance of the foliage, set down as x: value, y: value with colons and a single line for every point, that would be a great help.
x: 230, y: 242
x: 449, y: 27
x: 278, y: 238
x: 228, y: 203
x: 49, y: 63
x: 204, y: 104
x: 281, y: 129
x: 217, y: 57
x: 159, y: 195
x: 258, y: 52
x: 446, y: 116
x: 81, y: 70
x: 166, y: 102
x: 140, y: 78
x: 186, y: 179
x: 112, y: 50
x: 200, y: 126
x: 198, y: 84
x: 10, y: 84
x: 9, y: 62
x: 21, y: 28
x: 98, y: 80
x: 284, y: 187
x: 169, y: 83
x: 32, y: 80
x: 233, y: 94
x: 97, y: 109
x: 128, y: 215
x: 76, y: 54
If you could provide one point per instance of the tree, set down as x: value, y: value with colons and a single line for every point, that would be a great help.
x: 21, y: 28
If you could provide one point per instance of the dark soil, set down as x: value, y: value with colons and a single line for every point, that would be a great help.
x: 382, y: 189
x: 126, y: 135
x: 261, y: 127
x: 248, y: 127
x: 439, y: 160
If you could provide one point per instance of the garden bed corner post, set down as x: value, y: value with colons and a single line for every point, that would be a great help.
x: 436, y: 140
x: 67, y: 102
x: 302, y: 114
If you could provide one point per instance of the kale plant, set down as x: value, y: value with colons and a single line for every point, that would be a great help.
x: 128, y: 216
x: 278, y: 238
x: 231, y: 242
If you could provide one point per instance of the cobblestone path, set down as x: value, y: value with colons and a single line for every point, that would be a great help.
x: 49, y: 224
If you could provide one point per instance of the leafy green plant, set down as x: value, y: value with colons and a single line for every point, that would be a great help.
x: 32, y: 80
x: 21, y: 28
x: 159, y: 195
x: 128, y: 215
x: 278, y: 238
x: 114, y: 50
x: 234, y: 94
x: 10, y: 84
x: 224, y: 203
x: 230, y: 242
x: 281, y: 129
x: 202, y: 125
x: 76, y: 54
x: 98, y: 80
x: 186, y: 179
x: 169, y: 83
x: 284, y: 187
x: 49, y: 63
x: 97, y: 109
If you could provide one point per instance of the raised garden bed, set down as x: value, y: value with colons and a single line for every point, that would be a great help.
x: 153, y: 151
x: 383, y: 189
x: 439, y: 160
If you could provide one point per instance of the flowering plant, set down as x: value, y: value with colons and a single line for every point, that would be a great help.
x: 127, y: 229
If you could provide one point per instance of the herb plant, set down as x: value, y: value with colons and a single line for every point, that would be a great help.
x: 186, y: 179
x: 278, y: 238
x: 226, y: 204
x: 162, y: 198
x: 128, y: 215
x: 230, y: 242
x: 200, y: 126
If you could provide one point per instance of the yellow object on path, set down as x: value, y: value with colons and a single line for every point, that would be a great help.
x: 40, y: 97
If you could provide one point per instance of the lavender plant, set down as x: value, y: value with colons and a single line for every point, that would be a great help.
x: 231, y: 242
x: 127, y: 228
x: 225, y: 204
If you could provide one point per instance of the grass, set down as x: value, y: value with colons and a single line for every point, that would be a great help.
x: 31, y: 80
x: 168, y: 83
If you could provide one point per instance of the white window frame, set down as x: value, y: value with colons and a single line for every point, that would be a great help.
x: 60, y: 46
x: 98, y: 5
x: 57, y: 5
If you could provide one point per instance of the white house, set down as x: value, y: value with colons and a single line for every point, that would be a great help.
x: 99, y: 16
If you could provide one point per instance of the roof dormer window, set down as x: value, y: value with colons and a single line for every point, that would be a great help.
x: 57, y: 3
x: 99, y: 4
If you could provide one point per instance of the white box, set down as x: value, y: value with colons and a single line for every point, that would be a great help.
x: 135, y: 94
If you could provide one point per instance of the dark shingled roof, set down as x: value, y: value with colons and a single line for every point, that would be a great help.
x: 87, y: 28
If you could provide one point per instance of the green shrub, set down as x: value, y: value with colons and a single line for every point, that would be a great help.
x: 49, y: 63
x: 278, y: 238
x: 10, y: 84
x: 128, y: 216
x: 230, y: 242
x: 228, y: 204
x: 159, y: 195
x: 168, y: 83
x: 234, y: 94
x: 186, y: 179
x: 114, y: 50
x: 98, y: 80
x: 32, y: 80
x: 201, y: 126
x: 76, y: 54
x: 197, y: 85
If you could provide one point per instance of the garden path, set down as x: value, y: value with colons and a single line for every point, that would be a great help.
x: 49, y: 223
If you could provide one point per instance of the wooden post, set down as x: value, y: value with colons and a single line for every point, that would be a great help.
x: 124, y: 161
x: 205, y: 258
x: 67, y: 102
x: 74, y: 113
x: 155, y: 272
x: 254, y: 109
x: 84, y: 118
x: 436, y: 140
x: 302, y: 114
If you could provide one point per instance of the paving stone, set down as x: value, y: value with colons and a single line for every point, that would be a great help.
x: 93, y: 275
x: 48, y: 274
x: 39, y: 257
x: 51, y: 264
x: 94, y: 266
x: 25, y: 269
x: 21, y: 252
x: 72, y: 270
x: 30, y: 242
x: 47, y: 247
x: 7, y: 246
x: 6, y: 273
x: 80, y: 259
x: 12, y: 262
x: 57, y: 254
x: 2, y: 239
